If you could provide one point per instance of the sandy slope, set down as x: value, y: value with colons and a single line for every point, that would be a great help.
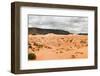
x: 53, y: 46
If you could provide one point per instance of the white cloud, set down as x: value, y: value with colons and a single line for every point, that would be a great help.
x: 71, y: 24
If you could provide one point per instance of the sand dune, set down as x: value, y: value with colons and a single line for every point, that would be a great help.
x: 52, y: 46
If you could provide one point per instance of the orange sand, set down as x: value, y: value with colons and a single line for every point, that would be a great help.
x: 53, y: 46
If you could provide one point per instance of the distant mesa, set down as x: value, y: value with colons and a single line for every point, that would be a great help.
x: 34, y: 31
x: 83, y: 34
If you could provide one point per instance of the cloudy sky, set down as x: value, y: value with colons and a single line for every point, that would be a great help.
x: 72, y: 24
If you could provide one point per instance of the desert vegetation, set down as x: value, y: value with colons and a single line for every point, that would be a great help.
x: 57, y: 46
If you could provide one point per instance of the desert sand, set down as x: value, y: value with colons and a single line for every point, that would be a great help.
x: 52, y: 46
